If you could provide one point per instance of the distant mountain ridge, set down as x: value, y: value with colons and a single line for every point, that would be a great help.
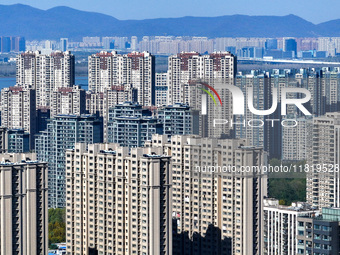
x: 33, y: 23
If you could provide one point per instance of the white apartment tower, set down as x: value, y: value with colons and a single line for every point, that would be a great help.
x: 45, y: 73
x: 112, y: 69
x: 118, y: 202
x: 190, y: 72
x: 18, y: 110
x: 69, y: 101
x: 187, y: 67
x: 100, y: 102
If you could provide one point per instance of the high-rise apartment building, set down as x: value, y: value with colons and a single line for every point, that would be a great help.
x: 112, y: 69
x: 319, y: 233
x: 14, y: 140
x: 99, y: 103
x: 134, y: 43
x: 290, y: 45
x: 118, y: 202
x: 143, y: 76
x: 271, y: 44
x: 189, y: 72
x: 91, y: 41
x: 259, y: 84
x: 23, y: 207
x: 43, y: 115
x: 161, y: 89
x: 12, y: 44
x: 279, y: 79
x: 178, y: 119
x: 309, y: 79
x: 173, y: 45
x: 18, y: 141
x: 312, y: 81
x: 323, y: 164
x: 68, y: 101
x: 330, y: 45
x: 241, y: 42
x: 63, y: 44
x: 280, y: 226
x: 330, y: 80
x: 45, y: 73
x: 5, y: 44
x: 215, y: 211
x: 108, y: 42
x: 62, y: 132
x: 3, y: 139
x: 132, y: 131
x: 102, y: 74
x: 186, y: 67
x: 18, y: 110
x: 297, y: 141
x: 18, y: 44
x: 130, y: 125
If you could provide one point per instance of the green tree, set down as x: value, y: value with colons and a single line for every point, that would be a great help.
x: 287, y: 187
x: 56, y: 226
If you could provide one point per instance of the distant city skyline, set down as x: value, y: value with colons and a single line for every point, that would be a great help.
x: 125, y: 10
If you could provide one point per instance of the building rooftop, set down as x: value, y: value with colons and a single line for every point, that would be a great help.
x: 296, y: 206
x: 155, y: 156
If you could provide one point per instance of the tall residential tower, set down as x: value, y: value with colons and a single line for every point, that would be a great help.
x: 45, y: 73
x: 107, y: 69
x: 118, y: 202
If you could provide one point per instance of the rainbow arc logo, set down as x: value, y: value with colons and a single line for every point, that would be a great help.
x: 205, y: 88
x: 210, y: 94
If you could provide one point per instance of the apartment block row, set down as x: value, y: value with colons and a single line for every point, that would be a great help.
x: 129, y: 125
x: 152, y: 200
x: 116, y: 78
x: 206, y: 210
x: 172, y: 196
x: 308, y: 47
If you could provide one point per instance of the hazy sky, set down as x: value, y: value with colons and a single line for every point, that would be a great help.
x: 315, y: 11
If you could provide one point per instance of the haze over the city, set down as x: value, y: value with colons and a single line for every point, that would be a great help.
x: 135, y: 9
x: 169, y: 127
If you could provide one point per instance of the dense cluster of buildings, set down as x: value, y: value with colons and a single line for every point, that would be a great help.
x: 141, y: 167
x: 243, y: 47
